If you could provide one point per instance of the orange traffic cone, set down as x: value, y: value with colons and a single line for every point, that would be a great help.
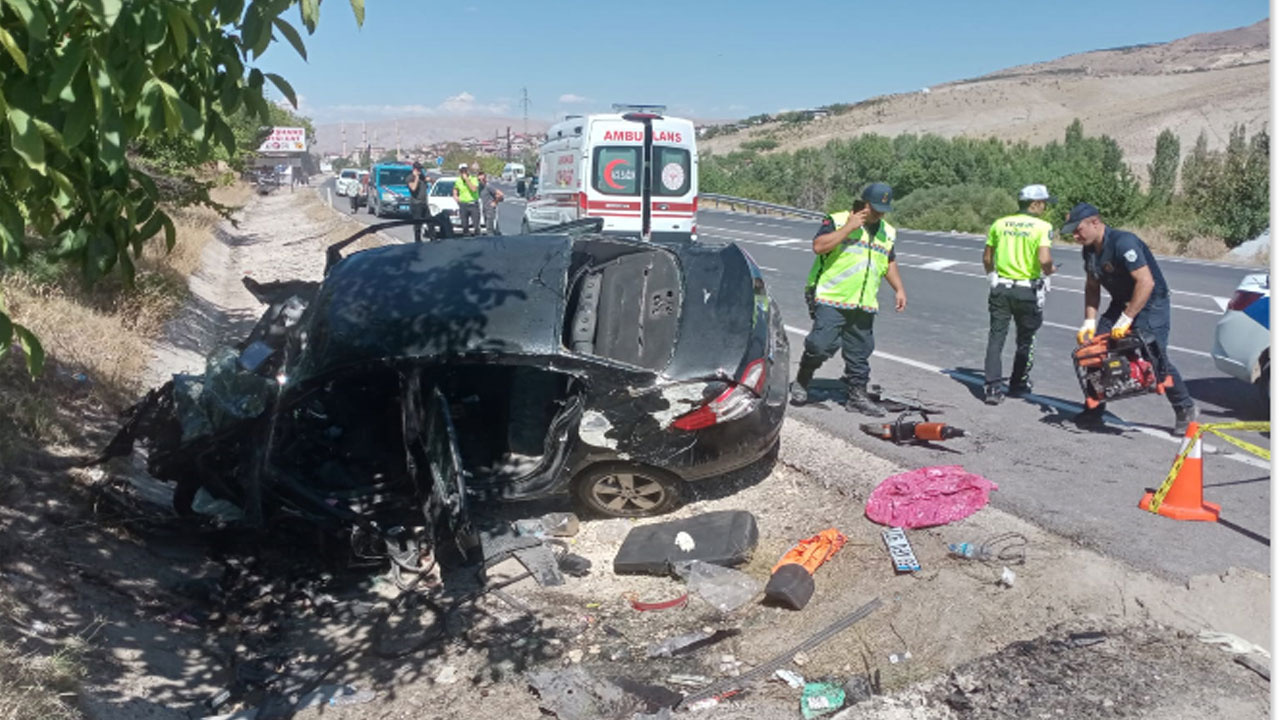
x: 1185, y: 500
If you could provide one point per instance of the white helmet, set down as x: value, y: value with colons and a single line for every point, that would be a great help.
x: 463, y: 166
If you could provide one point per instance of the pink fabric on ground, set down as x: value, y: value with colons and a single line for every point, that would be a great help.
x: 928, y: 496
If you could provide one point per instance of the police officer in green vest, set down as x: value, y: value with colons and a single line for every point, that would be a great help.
x: 1018, y: 263
x: 854, y: 251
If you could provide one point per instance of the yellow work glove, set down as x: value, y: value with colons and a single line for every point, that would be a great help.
x: 1087, y: 331
x: 1121, y: 328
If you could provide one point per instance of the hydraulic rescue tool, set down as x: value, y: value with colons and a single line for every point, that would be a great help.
x: 1111, y: 368
x: 903, y: 431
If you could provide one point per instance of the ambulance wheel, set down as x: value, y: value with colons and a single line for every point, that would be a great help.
x: 622, y: 490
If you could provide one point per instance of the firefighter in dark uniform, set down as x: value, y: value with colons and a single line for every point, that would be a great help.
x: 1120, y: 262
x: 854, y: 252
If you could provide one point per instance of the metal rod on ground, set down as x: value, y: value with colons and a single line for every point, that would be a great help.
x: 761, y: 671
x: 328, y: 193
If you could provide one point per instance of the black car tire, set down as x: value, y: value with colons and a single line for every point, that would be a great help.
x: 368, y: 207
x: 621, y: 490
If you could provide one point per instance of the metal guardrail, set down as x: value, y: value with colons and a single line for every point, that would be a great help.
x: 759, y: 206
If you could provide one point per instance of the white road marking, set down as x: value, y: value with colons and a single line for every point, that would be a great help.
x: 782, y: 242
x: 766, y: 268
x: 939, y: 264
x: 971, y: 379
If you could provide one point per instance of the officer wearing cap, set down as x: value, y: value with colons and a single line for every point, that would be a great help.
x: 467, y: 192
x: 854, y: 251
x: 1018, y: 262
x: 1120, y: 262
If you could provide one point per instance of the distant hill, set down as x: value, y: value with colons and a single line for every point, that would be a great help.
x: 1208, y: 82
x: 416, y: 131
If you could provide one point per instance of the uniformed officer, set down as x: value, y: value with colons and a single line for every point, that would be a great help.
x: 1018, y: 262
x: 854, y: 251
x: 1120, y: 262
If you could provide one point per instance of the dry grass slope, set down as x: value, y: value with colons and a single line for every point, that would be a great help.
x: 1206, y: 82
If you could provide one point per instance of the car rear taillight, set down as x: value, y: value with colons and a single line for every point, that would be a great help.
x: 582, y: 204
x: 731, y: 404
x: 1243, y: 299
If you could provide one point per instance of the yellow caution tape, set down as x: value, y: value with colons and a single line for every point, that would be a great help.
x: 1216, y: 429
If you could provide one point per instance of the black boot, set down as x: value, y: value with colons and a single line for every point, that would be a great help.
x: 800, y: 388
x: 1092, y: 418
x: 860, y: 402
x: 1183, y: 417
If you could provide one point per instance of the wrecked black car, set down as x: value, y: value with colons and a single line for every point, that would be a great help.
x: 418, y: 378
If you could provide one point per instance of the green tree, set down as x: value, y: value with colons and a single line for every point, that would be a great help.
x: 1162, y: 173
x: 83, y: 82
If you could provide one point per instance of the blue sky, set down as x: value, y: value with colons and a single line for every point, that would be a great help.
x: 703, y: 59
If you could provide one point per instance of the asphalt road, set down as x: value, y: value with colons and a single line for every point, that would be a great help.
x: 1082, y: 485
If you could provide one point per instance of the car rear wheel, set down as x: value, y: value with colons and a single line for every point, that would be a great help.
x: 627, y: 491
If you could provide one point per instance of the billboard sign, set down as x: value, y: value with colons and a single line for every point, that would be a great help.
x: 285, y: 139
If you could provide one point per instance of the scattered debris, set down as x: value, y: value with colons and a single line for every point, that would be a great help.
x: 858, y: 689
x: 1007, y: 577
x: 683, y: 644
x: 1255, y: 665
x: 768, y: 667
x: 723, y: 588
x: 1009, y: 548
x: 724, y: 537
x: 663, y: 605
x: 573, y: 694
x: 904, y: 559
x: 821, y: 698
x: 688, y: 680
x: 790, y: 677
x: 1085, y: 639
x: 575, y: 655
x: 1231, y: 643
x: 801, y: 659
x: 895, y: 658
x: 791, y: 582
x: 574, y: 565
x: 928, y: 496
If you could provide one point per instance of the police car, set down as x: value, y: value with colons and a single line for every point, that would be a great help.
x: 1242, y: 340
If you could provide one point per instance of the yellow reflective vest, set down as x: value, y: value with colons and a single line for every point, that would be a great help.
x: 848, y: 276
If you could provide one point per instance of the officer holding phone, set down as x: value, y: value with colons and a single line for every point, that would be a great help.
x: 854, y: 252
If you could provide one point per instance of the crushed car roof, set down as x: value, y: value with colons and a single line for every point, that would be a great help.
x: 480, y: 295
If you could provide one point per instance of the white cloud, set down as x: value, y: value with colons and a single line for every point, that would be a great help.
x: 571, y: 99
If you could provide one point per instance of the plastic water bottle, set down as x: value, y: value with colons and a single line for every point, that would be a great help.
x: 965, y: 550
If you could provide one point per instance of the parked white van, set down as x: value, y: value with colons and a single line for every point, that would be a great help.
x: 512, y: 172
x: 592, y: 167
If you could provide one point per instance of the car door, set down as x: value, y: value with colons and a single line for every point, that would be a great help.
x: 434, y: 461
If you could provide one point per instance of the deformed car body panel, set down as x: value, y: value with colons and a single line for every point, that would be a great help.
x: 415, y: 375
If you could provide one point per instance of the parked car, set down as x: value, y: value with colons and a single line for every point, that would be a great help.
x: 1242, y: 339
x: 348, y: 182
x: 440, y: 199
x: 424, y: 377
x: 389, y: 189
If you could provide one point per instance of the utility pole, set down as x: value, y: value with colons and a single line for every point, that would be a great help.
x: 397, y: 138
x: 344, y: 139
x: 524, y: 101
x: 508, y: 143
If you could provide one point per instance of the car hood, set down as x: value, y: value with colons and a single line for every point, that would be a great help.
x: 436, y: 300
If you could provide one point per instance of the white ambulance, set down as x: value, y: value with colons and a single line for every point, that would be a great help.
x: 592, y: 167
